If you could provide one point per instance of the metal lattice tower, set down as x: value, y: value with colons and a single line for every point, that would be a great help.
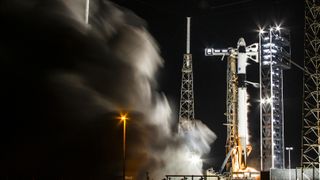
x: 231, y: 106
x: 232, y: 161
x: 275, y: 57
x: 311, y: 111
x: 231, y: 102
x: 186, y: 113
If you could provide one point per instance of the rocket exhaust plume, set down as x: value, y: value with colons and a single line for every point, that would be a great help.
x: 63, y: 84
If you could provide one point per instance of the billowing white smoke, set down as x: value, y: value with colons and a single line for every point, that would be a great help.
x: 185, y: 159
x: 97, y: 70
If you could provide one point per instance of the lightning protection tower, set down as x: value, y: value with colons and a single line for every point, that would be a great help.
x: 274, y: 58
x: 310, y: 151
x: 186, y: 112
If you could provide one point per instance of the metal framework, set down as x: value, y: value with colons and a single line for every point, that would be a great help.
x: 236, y: 175
x: 311, y: 111
x: 274, y: 58
x: 231, y: 103
x: 186, y: 112
x: 231, y: 162
x: 231, y: 106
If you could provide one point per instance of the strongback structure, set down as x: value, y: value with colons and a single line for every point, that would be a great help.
x: 186, y: 112
x: 231, y: 100
x: 274, y: 58
x: 311, y: 111
x: 231, y: 106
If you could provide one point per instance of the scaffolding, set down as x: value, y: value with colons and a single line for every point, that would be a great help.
x: 233, y: 160
x: 231, y: 107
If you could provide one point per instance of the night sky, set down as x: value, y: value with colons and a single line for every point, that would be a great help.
x: 219, y: 24
x: 63, y: 84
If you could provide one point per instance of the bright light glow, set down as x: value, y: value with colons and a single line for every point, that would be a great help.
x: 266, y: 100
x: 209, y: 51
x: 249, y: 172
x: 194, y: 159
x: 269, y: 51
x: 261, y: 31
x: 267, y: 56
x: 278, y: 28
x: 265, y: 62
x: 289, y: 148
x: 123, y: 117
x: 267, y: 45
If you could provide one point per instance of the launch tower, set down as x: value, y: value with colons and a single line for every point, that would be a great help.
x: 231, y: 101
x: 237, y: 143
x: 274, y: 58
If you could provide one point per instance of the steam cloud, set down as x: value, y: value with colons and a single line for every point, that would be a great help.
x: 63, y: 84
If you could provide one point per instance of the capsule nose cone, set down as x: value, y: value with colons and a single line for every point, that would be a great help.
x: 241, y: 42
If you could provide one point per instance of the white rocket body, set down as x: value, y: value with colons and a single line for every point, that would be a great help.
x: 242, y: 102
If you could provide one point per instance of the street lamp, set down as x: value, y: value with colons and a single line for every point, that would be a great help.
x: 289, y: 149
x: 123, y: 119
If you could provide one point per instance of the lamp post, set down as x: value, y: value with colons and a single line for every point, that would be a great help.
x: 123, y: 118
x: 289, y: 165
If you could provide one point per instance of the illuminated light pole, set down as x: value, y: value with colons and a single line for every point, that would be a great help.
x: 123, y: 118
x: 289, y: 149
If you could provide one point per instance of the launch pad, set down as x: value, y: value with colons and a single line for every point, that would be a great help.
x: 273, y: 53
x: 234, y: 176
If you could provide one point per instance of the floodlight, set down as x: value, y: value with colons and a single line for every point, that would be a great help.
x: 261, y: 31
